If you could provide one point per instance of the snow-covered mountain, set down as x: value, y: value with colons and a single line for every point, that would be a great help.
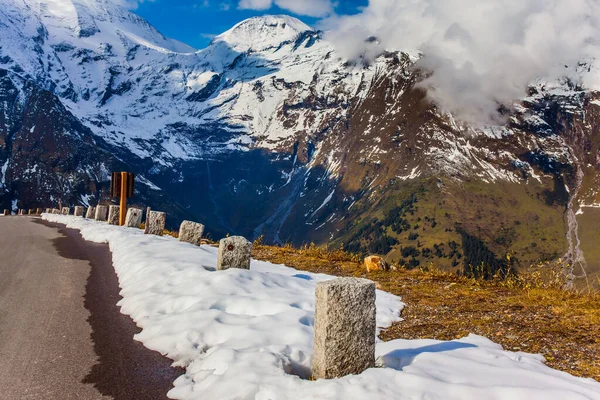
x: 268, y: 131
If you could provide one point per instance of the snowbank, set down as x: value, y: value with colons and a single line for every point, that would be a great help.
x: 247, y: 334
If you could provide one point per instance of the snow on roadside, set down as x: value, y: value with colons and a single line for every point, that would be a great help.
x: 244, y: 334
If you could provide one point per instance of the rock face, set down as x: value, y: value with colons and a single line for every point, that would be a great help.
x: 91, y: 212
x: 376, y: 263
x: 101, y: 213
x: 344, y: 327
x: 155, y: 223
x: 113, y: 215
x: 234, y: 252
x: 66, y: 211
x: 134, y: 218
x: 78, y: 211
x: 191, y: 232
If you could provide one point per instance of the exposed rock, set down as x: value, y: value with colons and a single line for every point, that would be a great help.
x: 91, y: 212
x: 78, y: 211
x: 376, y: 263
x: 191, y: 232
x: 133, y: 219
x: 344, y: 327
x: 101, y: 213
x: 234, y: 252
x: 113, y: 215
x: 155, y: 223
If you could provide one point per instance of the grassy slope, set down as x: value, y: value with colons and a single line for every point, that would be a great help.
x: 529, y: 315
x: 508, y: 219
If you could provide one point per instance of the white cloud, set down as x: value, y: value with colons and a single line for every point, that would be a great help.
x: 481, y: 53
x: 130, y: 4
x: 312, y: 8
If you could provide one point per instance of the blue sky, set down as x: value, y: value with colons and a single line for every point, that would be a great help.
x: 196, y: 21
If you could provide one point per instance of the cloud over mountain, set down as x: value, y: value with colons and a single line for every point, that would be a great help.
x: 481, y: 54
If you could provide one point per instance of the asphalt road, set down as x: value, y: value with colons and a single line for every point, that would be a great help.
x: 61, y: 334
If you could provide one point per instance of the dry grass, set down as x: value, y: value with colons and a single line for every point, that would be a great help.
x: 530, y: 312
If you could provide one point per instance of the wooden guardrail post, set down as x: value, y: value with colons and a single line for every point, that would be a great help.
x: 344, y: 327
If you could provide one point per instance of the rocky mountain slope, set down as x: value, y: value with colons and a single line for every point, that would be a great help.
x: 269, y: 132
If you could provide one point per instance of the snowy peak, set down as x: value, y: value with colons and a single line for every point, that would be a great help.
x: 98, y: 21
x: 262, y: 33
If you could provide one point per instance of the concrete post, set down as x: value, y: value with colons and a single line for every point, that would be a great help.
x: 155, y: 223
x: 113, y: 215
x: 344, y: 327
x: 234, y: 252
x: 55, y: 211
x: 66, y: 211
x: 78, y: 211
x: 133, y: 218
x: 101, y: 213
x: 191, y: 232
x: 6, y: 212
x: 30, y: 212
x: 147, y: 225
x: 91, y: 212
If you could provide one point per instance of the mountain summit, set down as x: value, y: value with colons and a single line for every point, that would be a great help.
x: 268, y: 131
x: 262, y: 33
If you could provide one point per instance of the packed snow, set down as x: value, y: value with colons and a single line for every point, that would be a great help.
x: 248, y: 334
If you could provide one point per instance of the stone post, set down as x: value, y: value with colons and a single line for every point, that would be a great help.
x: 234, y: 252
x: 91, y: 212
x: 191, y: 232
x: 30, y: 212
x: 147, y: 225
x: 155, y: 223
x: 55, y: 211
x: 113, y: 215
x: 101, y: 213
x: 78, y: 211
x: 66, y: 211
x: 6, y: 212
x: 344, y: 327
x: 133, y: 219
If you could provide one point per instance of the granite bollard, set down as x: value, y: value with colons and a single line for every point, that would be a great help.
x: 133, y: 219
x: 155, y: 223
x: 78, y: 211
x: 55, y: 211
x: 344, y: 327
x: 6, y: 212
x: 30, y: 212
x: 66, y: 210
x: 191, y: 232
x: 147, y: 225
x: 113, y: 215
x: 91, y: 212
x: 38, y: 211
x: 234, y: 252
x: 101, y: 213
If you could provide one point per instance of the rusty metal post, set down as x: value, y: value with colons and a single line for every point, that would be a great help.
x: 123, y: 205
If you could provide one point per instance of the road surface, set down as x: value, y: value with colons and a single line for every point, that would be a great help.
x: 61, y: 333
